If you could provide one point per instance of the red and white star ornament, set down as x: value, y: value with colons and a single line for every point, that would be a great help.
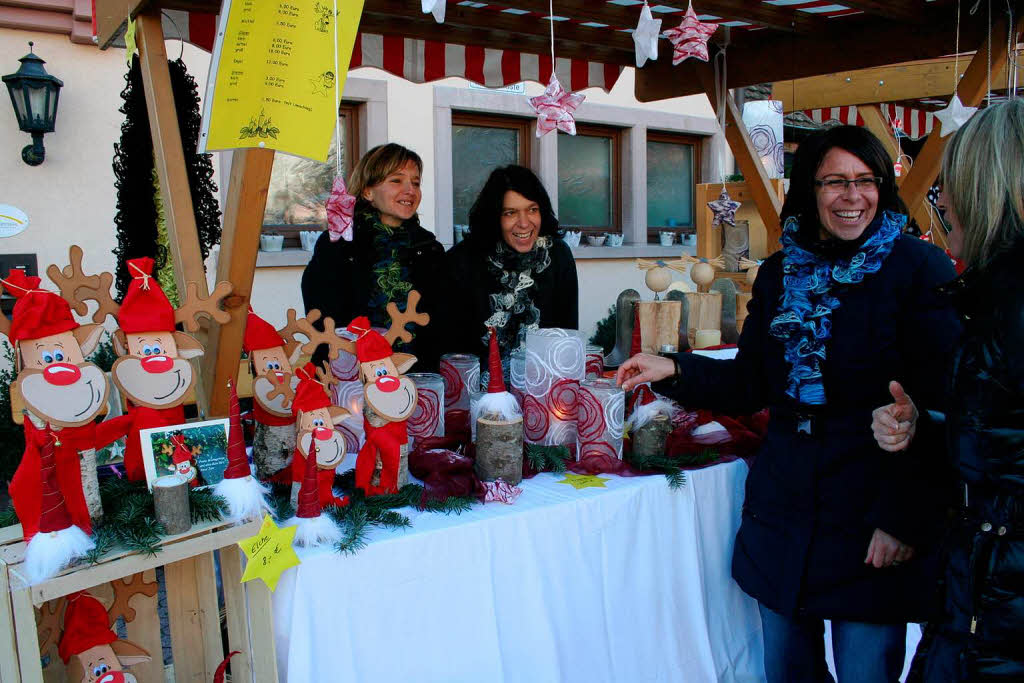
x: 690, y: 38
x: 435, y: 7
x: 645, y: 36
x: 724, y: 209
x: 555, y: 108
x: 340, y: 209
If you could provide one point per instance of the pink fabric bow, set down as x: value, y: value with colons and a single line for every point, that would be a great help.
x: 499, y: 491
x: 690, y: 38
x: 340, y: 207
x: 555, y: 108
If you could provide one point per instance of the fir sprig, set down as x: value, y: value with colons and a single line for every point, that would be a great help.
x: 669, y: 466
x: 8, y: 517
x: 451, y: 505
x: 547, y: 458
x: 206, y: 506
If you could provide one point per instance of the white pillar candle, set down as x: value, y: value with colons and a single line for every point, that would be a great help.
x: 706, y: 338
x: 601, y: 408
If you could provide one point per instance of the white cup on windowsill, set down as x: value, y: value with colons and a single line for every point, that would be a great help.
x: 271, y: 242
x: 667, y: 238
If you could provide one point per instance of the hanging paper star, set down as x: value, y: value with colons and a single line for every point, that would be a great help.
x: 724, y: 209
x: 954, y: 116
x: 340, y: 207
x: 645, y: 37
x: 435, y: 7
x: 584, y: 481
x: 690, y: 38
x: 269, y: 553
x: 555, y: 108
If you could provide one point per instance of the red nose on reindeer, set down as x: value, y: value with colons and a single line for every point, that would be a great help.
x: 388, y: 383
x: 61, y: 374
x: 322, y: 434
x: 112, y: 677
x: 157, y: 364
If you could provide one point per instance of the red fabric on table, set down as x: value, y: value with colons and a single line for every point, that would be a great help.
x: 443, y: 472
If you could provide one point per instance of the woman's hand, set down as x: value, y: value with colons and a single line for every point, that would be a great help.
x: 894, y: 425
x: 886, y: 551
x: 644, y: 367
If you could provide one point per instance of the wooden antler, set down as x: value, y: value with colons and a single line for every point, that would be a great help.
x: 678, y: 265
x: 196, y: 307
x: 76, y: 287
x: 325, y: 376
x: 399, y: 320
x: 304, y: 327
x: 282, y: 388
x: 124, y: 590
x: 48, y: 628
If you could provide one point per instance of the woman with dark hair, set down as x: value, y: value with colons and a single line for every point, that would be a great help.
x: 831, y: 527
x: 981, y: 631
x: 389, y: 255
x: 512, y: 272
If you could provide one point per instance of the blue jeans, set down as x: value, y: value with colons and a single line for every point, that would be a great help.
x: 794, y: 650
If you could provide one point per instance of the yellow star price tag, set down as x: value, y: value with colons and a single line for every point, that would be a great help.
x: 269, y: 553
x: 129, y: 42
x: 584, y: 481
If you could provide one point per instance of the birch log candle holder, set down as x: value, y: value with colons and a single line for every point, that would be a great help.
x: 170, y: 500
x: 650, y: 439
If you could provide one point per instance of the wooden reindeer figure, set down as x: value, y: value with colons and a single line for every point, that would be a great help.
x: 315, y: 418
x: 91, y: 651
x: 62, y: 394
x: 273, y: 389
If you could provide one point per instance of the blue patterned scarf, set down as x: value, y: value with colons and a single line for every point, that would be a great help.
x: 804, y: 321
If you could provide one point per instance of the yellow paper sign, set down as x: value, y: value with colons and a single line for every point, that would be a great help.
x: 273, y: 75
x: 269, y: 552
x: 584, y: 481
x: 129, y: 42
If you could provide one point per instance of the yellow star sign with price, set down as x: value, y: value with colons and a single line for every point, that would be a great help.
x: 584, y: 481
x: 269, y: 552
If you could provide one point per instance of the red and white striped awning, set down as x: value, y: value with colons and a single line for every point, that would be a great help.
x: 422, y: 61
x: 916, y: 123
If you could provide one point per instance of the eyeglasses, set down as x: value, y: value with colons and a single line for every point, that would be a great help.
x: 840, y: 185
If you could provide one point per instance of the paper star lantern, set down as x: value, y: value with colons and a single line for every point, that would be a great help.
x: 724, y: 209
x: 690, y: 38
x: 340, y: 207
x: 584, y: 481
x: 269, y: 553
x: 645, y: 37
x: 954, y: 116
x: 555, y: 108
x: 435, y: 7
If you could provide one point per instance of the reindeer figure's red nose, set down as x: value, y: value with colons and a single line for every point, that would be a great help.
x: 157, y: 364
x: 61, y: 374
x: 388, y: 383
x: 322, y: 434
x: 112, y: 677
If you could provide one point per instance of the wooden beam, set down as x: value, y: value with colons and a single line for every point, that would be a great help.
x: 972, y: 89
x: 892, y: 83
x: 248, y: 185
x: 900, y: 10
x: 769, y: 206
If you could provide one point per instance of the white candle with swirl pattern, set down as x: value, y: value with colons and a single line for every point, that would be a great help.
x: 555, y: 364
x: 601, y: 409
x: 425, y: 420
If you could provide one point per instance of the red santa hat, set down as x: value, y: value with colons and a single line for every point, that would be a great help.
x: 181, y: 452
x: 309, y: 493
x: 238, y: 461
x: 259, y: 334
x: 497, y: 401
x: 145, y: 307
x: 370, y: 344
x: 496, y: 383
x: 245, y: 495
x: 37, y: 312
x: 309, y: 394
x: 86, y: 625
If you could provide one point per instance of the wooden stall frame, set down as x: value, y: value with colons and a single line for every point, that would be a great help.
x: 707, y: 245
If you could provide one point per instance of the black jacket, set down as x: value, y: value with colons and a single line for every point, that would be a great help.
x: 468, y: 284
x: 339, y: 281
x: 981, y: 636
x: 813, y: 501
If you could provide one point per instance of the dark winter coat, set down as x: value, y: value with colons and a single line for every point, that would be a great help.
x: 469, y: 284
x: 340, y: 282
x: 814, y: 500
x: 981, y: 637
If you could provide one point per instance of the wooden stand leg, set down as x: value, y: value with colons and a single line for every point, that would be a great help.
x: 8, y: 642
x: 28, y: 639
x: 238, y: 623
x: 195, y: 630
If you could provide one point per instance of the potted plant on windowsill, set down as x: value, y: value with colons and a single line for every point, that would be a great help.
x: 271, y: 241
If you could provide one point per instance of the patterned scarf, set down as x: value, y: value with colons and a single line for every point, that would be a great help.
x: 513, y: 312
x: 804, y: 321
x: 391, y: 277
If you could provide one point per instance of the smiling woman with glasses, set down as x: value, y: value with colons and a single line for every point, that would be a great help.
x: 831, y: 528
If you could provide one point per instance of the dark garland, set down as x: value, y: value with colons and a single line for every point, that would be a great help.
x: 136, y: 216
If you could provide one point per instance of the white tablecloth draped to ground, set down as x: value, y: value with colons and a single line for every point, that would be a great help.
x: 625, y: 583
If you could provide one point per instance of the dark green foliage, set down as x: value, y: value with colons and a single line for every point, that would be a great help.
x: 12, y: 436
x: 104, y: 355
x: 8, y: 517
x: 547, y: 458
x: 206, y: 506
x: 450, y: 505
x: 604, y: 335
x: 669, y: 466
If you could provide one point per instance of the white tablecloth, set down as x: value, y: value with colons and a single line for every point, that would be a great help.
x: 628, y: 583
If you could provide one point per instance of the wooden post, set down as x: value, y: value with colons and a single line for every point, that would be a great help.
x: 971, y: 90
x: 709, y: 239
x: 194, y: 618
x: 248, y: 185
x: 231, y: 570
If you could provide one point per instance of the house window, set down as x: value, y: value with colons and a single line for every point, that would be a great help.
x: 299, y: 188
x: 672, y: 168
x: 481, y: 144
x: 588, y: 179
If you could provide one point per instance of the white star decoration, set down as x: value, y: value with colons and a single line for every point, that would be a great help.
x: 724, y: 209
x: 435, y: 7
x: 690, y: 38
x: 954, y: 116
x: 555, y: 108
x: 645, y: 37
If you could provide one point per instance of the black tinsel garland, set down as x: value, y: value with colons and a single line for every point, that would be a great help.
x: 136, y: 217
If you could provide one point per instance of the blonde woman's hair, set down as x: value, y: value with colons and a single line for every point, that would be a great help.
x: 983, y: 179
x: 378, y: 164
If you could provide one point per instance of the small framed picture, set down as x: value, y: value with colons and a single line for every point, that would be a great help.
x: 197, y: 451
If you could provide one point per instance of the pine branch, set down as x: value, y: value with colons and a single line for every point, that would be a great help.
x: 206, y: 506
x: 8, y: 517
x: 391, y: 520
x: 354, y: 530
x: 547, y: 458
x: 104, y: 539
x: 142, y: 536
x: 450, y: 505
x: 676, y: 480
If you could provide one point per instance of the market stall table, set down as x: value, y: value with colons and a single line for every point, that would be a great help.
x: 629, y: 582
